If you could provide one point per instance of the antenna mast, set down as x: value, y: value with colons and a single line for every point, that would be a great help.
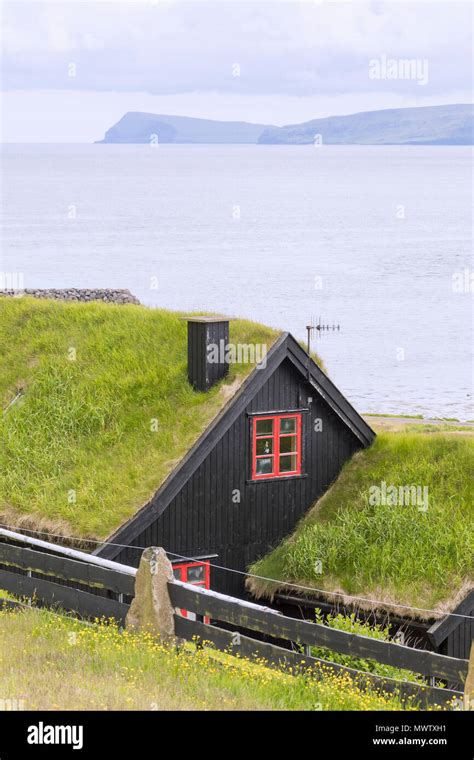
x: 320, y: 327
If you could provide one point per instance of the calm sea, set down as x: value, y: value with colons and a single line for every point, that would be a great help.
x: 377, y: 239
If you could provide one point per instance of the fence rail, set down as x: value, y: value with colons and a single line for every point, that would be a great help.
x: 65, y: 597
x: 68, y: 569
x: 69, y: 579
x: 65, y: 551
x: 89, y: 586
x: 276, y: 656
x: 266, y: 621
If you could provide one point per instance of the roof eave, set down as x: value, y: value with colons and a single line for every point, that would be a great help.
x: 441, y: 628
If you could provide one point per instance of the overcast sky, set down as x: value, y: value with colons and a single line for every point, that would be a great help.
x: 71, y: 69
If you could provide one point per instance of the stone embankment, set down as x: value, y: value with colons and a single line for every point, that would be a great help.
x: 108, y: 295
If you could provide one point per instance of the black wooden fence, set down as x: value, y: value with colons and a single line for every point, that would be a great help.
x: 60, y: 577
x: 235, y: 612
x: 39, y: 570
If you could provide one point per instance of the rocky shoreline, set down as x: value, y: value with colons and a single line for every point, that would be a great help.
x: 107, y: 295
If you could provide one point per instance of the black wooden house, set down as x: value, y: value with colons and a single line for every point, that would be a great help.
x: 271, y: 452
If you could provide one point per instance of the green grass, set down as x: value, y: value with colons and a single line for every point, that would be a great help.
x: 78, y: 450
x: 448, y: 427
x: 396, y: 416
x: 50, y: 662
x: 351, y: 624
x: 397, y: 554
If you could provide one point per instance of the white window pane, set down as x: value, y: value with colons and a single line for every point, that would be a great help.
x: 288, y: 425
x: 195, y: 574
x: 265, y: 466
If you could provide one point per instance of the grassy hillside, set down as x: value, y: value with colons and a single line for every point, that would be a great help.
x: 105, y: 410
x: 52, y: 662
x: 395, y: 553
x: 428, y: 125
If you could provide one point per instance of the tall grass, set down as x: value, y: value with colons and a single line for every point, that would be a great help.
x: 395, y: 553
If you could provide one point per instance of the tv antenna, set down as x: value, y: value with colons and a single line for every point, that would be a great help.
x: 318, y: 328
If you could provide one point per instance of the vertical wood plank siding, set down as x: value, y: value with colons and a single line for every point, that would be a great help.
x: 204, y: 519
x: 201, y: 373
x: 458, y: 642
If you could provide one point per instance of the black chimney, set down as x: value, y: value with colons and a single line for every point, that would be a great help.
x: 208, y: 338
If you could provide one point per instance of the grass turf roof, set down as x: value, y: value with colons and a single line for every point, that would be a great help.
x: 79, y: 453
x: 393, y: 554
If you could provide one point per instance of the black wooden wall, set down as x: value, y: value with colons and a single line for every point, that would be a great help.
x: 458, y: 643
x: 206, y: 517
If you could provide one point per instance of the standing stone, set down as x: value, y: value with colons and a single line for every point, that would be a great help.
x: 469, y: 685
x: 151, y: 609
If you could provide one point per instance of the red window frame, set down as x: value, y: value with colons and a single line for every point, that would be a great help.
x: 183, y: 567
x: 276, y: 437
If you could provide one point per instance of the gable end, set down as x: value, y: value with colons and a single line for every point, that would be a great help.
x: 286, y: 348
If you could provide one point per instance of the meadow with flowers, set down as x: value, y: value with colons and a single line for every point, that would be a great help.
x: 51, y: 662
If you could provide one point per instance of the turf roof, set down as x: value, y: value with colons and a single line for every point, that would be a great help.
x: 388, y: 549
x: 99, y: 409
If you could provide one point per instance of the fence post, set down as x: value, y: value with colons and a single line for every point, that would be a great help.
x: 469, y: 685
x: 151, y: 609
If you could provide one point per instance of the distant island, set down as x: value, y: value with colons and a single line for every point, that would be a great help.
x: 137, y: 127
x: 427, y: 125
